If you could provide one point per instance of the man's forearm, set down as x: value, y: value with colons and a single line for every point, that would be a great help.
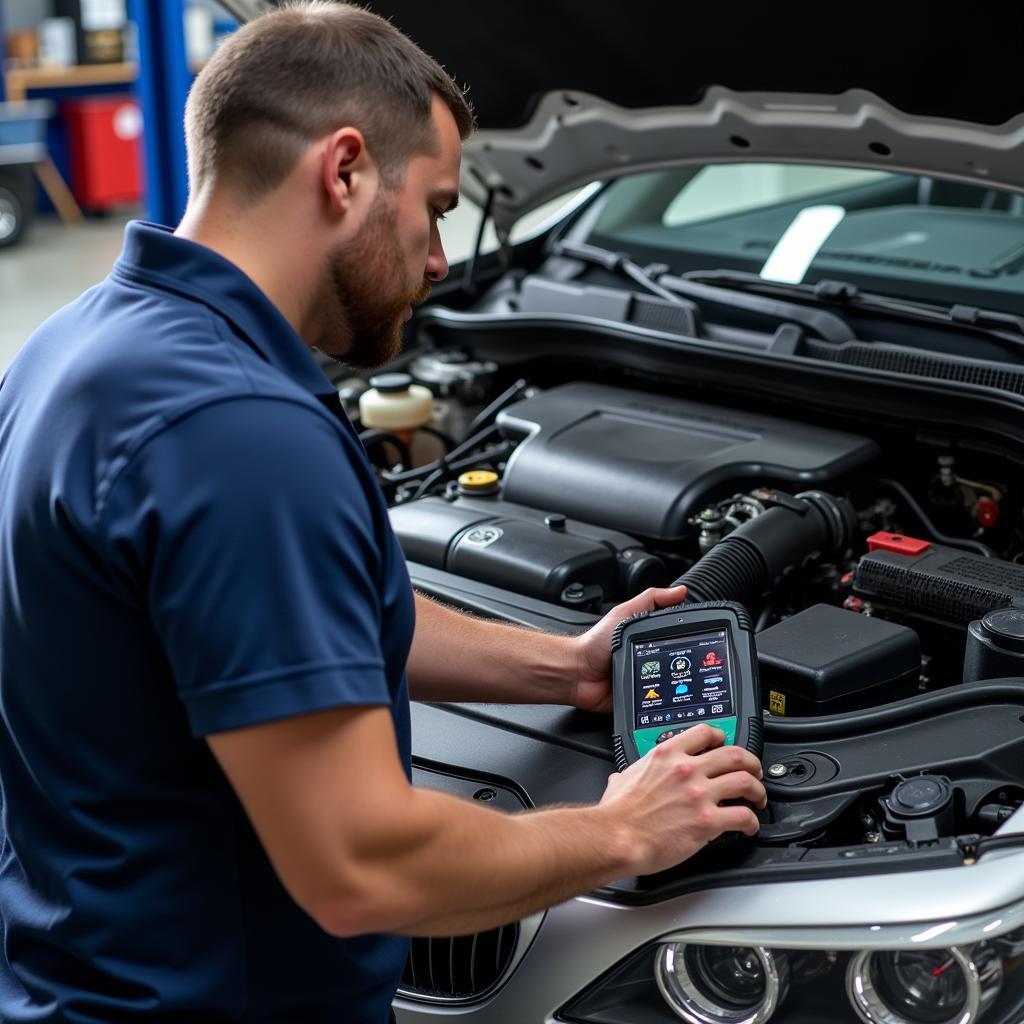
x: 456, y: 657
x: 458, y: 868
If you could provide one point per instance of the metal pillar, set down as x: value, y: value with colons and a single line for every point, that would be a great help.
x: 3, y: 35
x: 164, y: 81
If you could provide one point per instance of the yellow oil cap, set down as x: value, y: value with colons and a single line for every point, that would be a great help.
x: 478, y: 481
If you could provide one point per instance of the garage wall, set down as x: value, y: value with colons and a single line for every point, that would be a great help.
x: 20, y: 14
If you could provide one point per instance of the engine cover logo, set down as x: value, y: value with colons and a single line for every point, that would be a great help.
x: 483, y: 536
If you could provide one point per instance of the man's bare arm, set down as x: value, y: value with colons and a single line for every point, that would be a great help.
x: 456, y: 657
x: 363, y: 851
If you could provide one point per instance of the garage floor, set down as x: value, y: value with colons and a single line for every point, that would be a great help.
x: 49, y: 268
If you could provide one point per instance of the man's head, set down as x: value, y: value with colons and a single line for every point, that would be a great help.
x: 326, y: 103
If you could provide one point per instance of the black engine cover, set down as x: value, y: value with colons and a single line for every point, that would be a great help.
x: 643, y: 463
x: 525, y: 550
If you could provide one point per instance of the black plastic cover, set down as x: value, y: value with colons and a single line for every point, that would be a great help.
x: 945, y: 582
x: 644, y: 463
x: 995, y: 646
x: 828, y: 659
x: 525, y: 550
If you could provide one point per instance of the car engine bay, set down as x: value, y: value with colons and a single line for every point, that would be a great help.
x: 879, y: 554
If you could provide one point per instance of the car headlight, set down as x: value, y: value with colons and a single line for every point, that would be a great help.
x: 721, y: 984
x: 708, y: 979
x: 924, y: 986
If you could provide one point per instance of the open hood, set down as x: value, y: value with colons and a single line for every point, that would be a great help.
x: 574, y: 138
x: 568, y: 91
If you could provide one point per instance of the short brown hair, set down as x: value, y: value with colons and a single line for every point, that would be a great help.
x: 295, y: 75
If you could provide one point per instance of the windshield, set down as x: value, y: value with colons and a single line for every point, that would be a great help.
x: 897, y: 234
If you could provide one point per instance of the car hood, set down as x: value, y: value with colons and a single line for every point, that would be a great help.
x: 568, y: 92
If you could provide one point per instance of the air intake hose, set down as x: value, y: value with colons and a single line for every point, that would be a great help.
x: 756, y: 556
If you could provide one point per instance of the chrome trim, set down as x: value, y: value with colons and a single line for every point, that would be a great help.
x: 928, y: 933
x: 982, y: 971
x: 583, y: 938
x: 528, y: 929
x: 669, y: 963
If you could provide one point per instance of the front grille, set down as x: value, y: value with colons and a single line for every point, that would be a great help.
x: 459, y: 968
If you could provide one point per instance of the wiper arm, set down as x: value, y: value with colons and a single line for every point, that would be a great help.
x: 616, y: 263
x: 985, y: 318
x: 827, y: 326
x: 1001, y: 326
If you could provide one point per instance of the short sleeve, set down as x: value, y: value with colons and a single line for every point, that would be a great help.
x: 247, y: 531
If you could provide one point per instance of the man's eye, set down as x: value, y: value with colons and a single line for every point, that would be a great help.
x: 440, y: 215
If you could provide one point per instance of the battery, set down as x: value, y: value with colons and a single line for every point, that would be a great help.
x: 825, y: 660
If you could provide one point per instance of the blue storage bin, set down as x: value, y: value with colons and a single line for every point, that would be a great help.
x: 23, y: 131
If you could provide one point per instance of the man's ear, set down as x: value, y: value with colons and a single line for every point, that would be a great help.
x: 347, y: 172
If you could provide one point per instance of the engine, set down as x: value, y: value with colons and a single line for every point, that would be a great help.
x: 583, y: 495
x: 880, y: 578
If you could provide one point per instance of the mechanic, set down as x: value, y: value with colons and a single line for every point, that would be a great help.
x: 205, y: 620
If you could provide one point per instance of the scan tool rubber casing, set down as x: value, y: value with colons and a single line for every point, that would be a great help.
x: 745, y: 728
x: 644, y: 463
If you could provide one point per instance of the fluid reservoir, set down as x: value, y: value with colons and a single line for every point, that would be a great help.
x: 995, y: 646
x: 395, y: 404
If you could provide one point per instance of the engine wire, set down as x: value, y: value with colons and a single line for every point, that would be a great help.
x: 412, y: 475
x: 373, y: 438
x: 953, y: 542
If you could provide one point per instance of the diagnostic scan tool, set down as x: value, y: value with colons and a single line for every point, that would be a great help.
x: 679, y: 667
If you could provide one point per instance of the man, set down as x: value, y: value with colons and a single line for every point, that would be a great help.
x: 205, y: 620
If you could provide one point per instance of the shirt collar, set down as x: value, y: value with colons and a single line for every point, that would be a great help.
x: 154, y: 255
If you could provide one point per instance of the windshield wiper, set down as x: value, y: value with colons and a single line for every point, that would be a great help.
x: 1004, y: 327
x: 656, y: 280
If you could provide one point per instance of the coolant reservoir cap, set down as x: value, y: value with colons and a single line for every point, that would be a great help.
x: 478, y: 481
x: 920, y: 796
x: 391, y: 383
x: 1006, y: 624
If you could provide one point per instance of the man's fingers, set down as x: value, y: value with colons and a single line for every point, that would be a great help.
x: 650, y: 600
x: 695, y: 740
x: 665, y: 597
x: 726, y: 759
x: 739, y: 786
x: 737, y: 819
x: 715, y: 757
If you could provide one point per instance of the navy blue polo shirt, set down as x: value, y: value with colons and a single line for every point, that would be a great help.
x: 191, y: 540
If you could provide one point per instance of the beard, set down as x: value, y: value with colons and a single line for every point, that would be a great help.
x: 366, y: 307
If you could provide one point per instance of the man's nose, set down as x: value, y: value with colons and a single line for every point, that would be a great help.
x: 436, y: 269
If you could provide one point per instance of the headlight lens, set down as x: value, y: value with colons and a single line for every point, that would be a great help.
x: 924, y: 986
x: 721, y: 984
x: 911, y: 981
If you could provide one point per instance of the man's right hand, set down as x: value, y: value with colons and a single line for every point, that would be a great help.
x: 670, y: 801
x: 362, y: 851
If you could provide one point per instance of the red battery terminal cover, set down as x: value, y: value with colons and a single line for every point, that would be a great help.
x: 897, y: 543
x: 987, y: 511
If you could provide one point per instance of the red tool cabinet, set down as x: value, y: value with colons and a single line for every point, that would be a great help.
x: 105, y: 136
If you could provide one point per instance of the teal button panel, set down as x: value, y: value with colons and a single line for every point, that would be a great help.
x: 647, y: 738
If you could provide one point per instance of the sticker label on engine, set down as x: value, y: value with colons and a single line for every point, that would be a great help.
x: 776, y: 702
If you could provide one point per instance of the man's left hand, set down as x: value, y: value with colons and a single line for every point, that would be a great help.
x: 593, y: 691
